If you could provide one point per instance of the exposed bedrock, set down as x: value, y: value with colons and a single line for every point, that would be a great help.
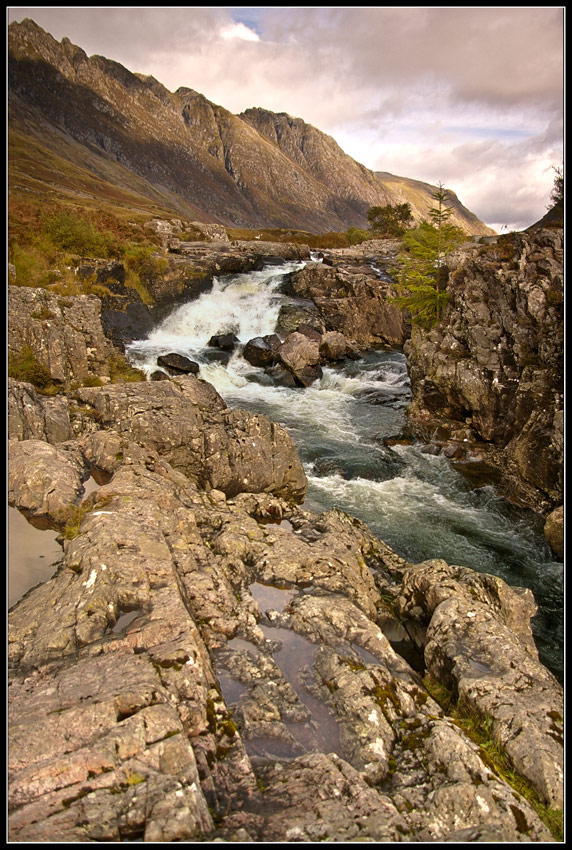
x: 205, y: 667
x: 355, y: 305
x: 491, y: 374
x: 212, y: 661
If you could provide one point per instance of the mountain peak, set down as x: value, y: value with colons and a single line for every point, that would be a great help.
x: 256, y: 169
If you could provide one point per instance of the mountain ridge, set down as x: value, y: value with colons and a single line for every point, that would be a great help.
x: 183, y: 152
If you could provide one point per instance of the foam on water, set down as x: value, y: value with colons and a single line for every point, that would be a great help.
x: 246, y: 305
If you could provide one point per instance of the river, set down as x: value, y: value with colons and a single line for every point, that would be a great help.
x: 416, y: 502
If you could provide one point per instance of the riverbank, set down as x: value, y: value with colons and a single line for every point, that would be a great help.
x: 201, y: 509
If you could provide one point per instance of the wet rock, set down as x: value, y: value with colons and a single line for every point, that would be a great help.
x: 310, y: 332
x: 334, y: 346
x: 262, y: 351
x: 281, y: 377
x: 291, y: 316
x: 554, y: 531
x: 300, y: 355
x: 177, y: 364
x: 224, y: 341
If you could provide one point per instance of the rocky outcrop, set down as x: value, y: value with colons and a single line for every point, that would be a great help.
x: 355, y: 305
x: 491, y: 374
x: 35, y: 417
x: 64, y: 333
x: 205, y: 668
x: 188, y: 424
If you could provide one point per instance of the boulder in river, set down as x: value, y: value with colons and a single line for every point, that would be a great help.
x: 224, y: 341
x: 262, y: 351
x: 177, y: 364
x: 301, y: 356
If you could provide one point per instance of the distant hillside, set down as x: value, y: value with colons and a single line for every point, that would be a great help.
x: 88, y: 130
x: 418, y: 194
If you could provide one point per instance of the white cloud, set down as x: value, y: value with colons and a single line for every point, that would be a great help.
x: 239, y: 31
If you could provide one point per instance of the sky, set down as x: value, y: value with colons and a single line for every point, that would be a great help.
x: 471, y: 97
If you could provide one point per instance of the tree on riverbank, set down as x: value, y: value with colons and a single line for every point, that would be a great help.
x: 390, y: 220
x: 423, y: 273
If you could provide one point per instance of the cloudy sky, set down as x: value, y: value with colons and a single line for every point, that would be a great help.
x: 468, y: 96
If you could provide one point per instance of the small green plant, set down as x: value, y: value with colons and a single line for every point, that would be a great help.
x: 122, y: 372
x: 23, y: 365
x: 355, y: 236
x: 70, y: 231
x: 73, y: 517
x: 480, y: 729
x: 135, y: 778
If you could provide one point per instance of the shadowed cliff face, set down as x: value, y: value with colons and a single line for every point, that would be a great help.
x: 495, y: 364
x: 255, y: 169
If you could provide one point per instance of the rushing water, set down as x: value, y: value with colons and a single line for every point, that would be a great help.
x: 417, y: 503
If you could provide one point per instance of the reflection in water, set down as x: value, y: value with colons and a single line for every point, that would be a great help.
x: 271, y: 597
x: 31, y: 555
x: 295, y: 658
x: 32, y: 549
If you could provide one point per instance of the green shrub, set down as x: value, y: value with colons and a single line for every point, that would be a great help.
x: 122, y: 372
x: 70, y: 232
x: 355, y: 236
x: 23, y: 365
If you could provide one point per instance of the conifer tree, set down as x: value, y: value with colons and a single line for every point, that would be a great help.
x: 423, y: 272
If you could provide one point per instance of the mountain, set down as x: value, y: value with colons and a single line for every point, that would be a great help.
x: 87, y: 128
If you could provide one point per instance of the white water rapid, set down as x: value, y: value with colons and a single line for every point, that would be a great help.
x: 416, y: 502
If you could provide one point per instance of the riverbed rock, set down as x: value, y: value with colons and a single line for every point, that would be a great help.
x: 291, y: 316
x: 334, y: 346
x: 300, y: 355
x: 262, y: 351
x: 352, y: 304
x: 177, y: 364
x: 554, y: 531
x: 224, y: 341
x: 496, y: 360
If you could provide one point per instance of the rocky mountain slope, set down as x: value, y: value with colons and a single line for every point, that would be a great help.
x: 87, y: 127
